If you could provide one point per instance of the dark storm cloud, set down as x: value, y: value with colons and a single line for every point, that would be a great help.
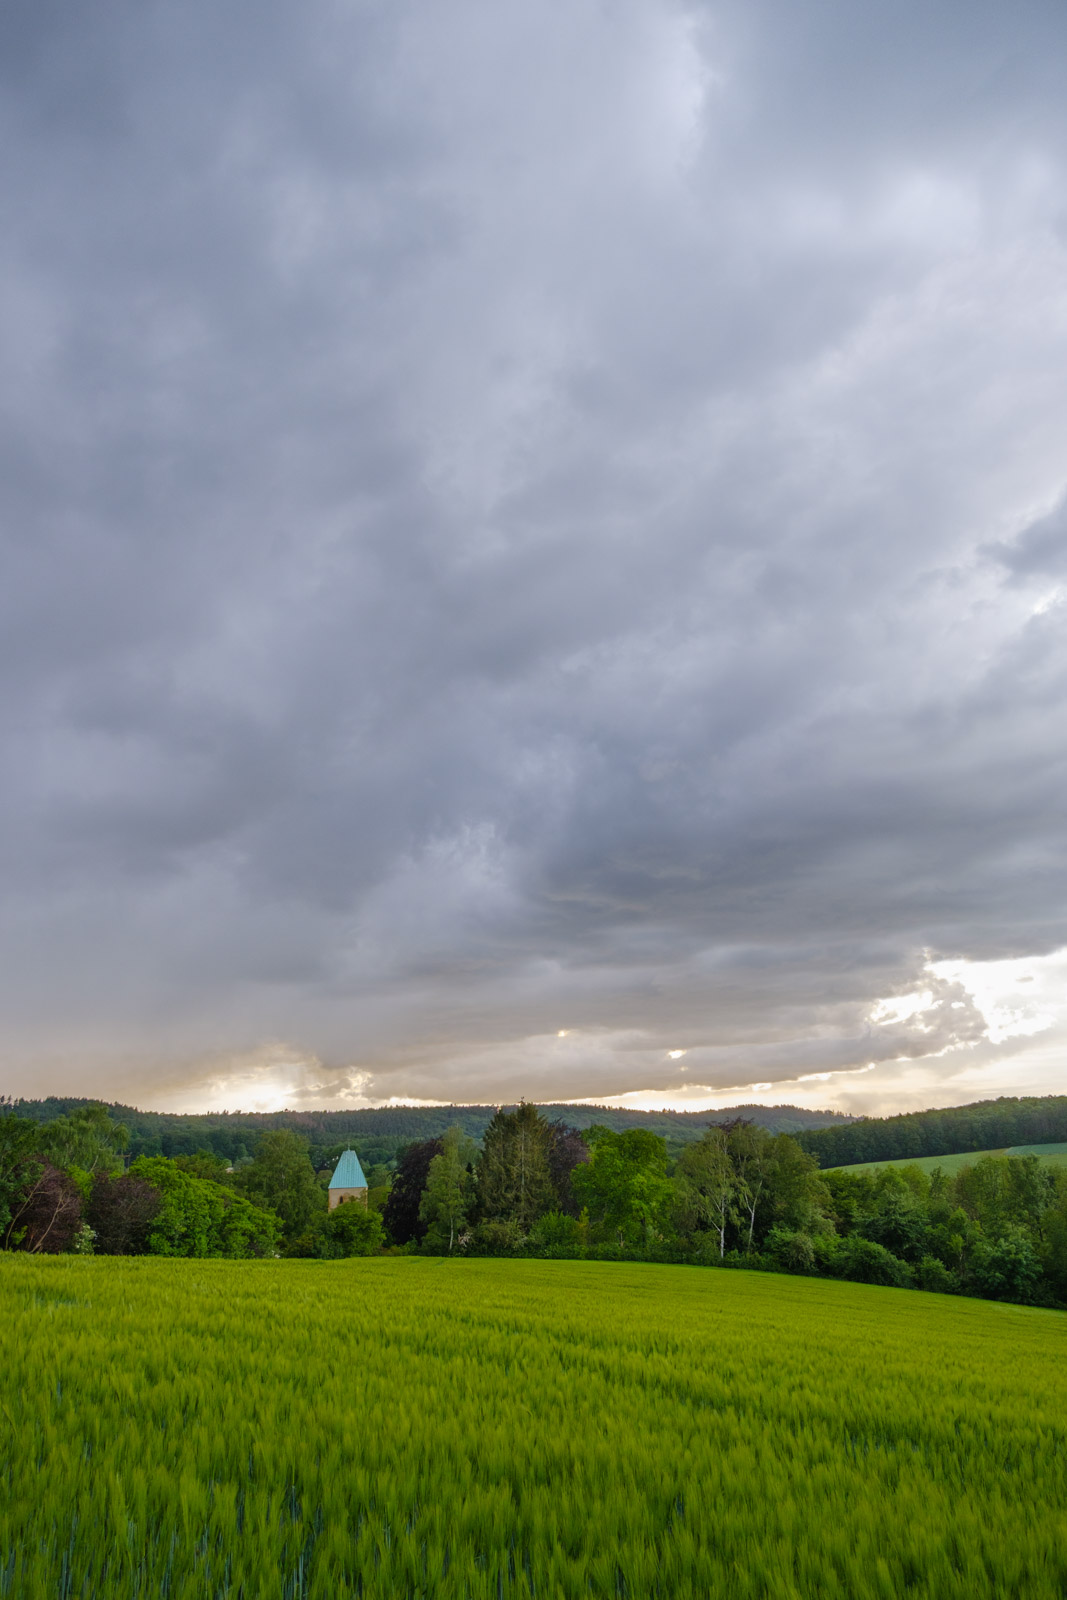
x: 516, y: 524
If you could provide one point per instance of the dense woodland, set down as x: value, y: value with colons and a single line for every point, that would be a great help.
x: 986, y: 1125
x: 738, y: 1195
x: 380, y: 1132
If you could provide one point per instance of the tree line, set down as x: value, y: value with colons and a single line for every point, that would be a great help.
x: 381, y: 1130
x: 985, y: 1125
x: 65, y: 1185
x: 739, y: 1196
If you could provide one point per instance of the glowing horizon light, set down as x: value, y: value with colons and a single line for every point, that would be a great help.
x: 674, y: 1054
x: 563, y: 1032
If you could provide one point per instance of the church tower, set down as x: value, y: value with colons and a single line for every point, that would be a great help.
x: 348, y: 1182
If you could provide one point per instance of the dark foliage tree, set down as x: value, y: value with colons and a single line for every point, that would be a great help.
x: 400, y: 1213
x: 567, y: 1150
x: 121, y: 1211
x: 48, y: 1214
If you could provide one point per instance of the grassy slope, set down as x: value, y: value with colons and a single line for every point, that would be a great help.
x: 1054, y: 1154
x: 404, y: 1427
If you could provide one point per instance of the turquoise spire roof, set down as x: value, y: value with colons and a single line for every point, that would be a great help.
x: 348, y: 1173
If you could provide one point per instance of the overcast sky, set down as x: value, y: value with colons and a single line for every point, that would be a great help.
x: 534, y: 541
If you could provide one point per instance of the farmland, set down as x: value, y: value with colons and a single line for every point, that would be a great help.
x: 1053, y: 1155
x: 400, y: 1427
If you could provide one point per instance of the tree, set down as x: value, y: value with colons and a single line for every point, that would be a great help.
x: 281, y: 1179
x: 88, y: 1138
x: 898, y: 1219
x: 47, y: 1215
x: 1007, y: 1269
x: 205, y: 1164
x: 514, y: 1180
x: 798, y: 1196
x: 121, y: 1212
x: 752, y: 1150
x: 624, y: 1184
x: 567, y: 1151
x: 246, y: 1230
x: 449, y: 1190
x: 707, y: 1186
x: 20, y: 1167
x: 401, y: 1214
x: 351, y: 1230
x: 199, y: 1218
x: 1002, y: 1192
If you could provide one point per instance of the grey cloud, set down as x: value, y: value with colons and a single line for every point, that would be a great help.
x: 510, y: 527
x: 1040, y: 549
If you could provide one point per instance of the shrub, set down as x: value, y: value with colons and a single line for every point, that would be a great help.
x: 496, y: 1239
x: 790, y: 1251
x: 933, y: 1275
x: 1008, y: 1269
x: 554, y: 1230
x: 351, y: 1230
x: 826, y: 1248
x: 704, y: 1248
x: 862, y: 1261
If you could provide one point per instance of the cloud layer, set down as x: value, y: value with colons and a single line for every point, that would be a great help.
x: 521, y: 525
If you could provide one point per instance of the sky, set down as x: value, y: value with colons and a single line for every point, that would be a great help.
x: 533, y: 551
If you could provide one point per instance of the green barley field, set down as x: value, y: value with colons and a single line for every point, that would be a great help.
x: 201, y: 1430
x: 1054, y: 1155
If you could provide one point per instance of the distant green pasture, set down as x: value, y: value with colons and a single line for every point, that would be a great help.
x: 1054, y: 1154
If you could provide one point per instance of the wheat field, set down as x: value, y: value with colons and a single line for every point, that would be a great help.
x: 406, y: 1427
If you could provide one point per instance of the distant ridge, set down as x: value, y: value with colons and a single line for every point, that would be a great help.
x: 946, y: 1131
x: 176, y: 1133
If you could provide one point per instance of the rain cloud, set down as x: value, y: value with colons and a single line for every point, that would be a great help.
x: 532, y: 543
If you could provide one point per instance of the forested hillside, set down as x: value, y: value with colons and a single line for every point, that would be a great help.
x: 985, y: 1125
x: 378, y: 1133
x: 739, y: 1196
